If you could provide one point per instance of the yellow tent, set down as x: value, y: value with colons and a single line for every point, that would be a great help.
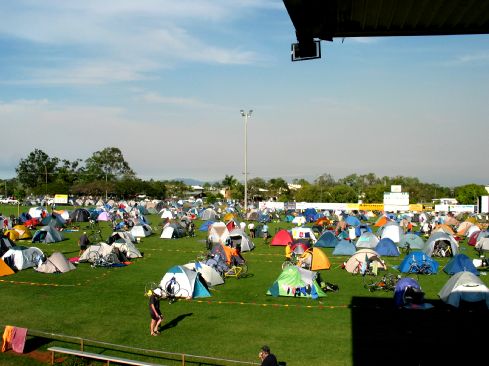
x: 228, y: 217
x: 23, y: 231
x: 314, y: 259
x: 12, y: 234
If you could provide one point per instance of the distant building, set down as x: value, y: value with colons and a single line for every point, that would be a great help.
x: 294, y: 187
x: 445, y: 201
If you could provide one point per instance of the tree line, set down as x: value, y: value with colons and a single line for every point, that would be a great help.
x: 107, y: 172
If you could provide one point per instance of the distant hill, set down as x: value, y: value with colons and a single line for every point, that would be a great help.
x: 190, y: 181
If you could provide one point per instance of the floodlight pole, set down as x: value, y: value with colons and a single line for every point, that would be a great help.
x: 245, y: 117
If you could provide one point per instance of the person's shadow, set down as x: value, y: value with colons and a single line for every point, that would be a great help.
x: 174, y: 322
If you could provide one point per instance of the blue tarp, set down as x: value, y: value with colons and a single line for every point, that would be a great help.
x: 205, y: 225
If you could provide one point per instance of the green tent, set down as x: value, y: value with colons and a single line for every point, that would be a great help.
x: 296, y: 282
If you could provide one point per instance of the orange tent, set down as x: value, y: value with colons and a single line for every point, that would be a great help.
x: 315, y: 259
x: 381, y: 221
x: 5, y: 270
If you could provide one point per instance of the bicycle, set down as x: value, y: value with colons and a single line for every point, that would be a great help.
x: 423, y: 268
x: 442, y: 250
x: 237, y: 270
x: 292, y: 261
x: 99, y: 260
x: 172, y: 291
x: 386, y: 283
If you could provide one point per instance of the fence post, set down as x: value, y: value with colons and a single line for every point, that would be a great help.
x: 81, y: 344
x: 183, y: 359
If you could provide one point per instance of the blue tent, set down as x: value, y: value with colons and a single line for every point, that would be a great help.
x: 401, y: 286
x: 24, y: 216
x: 205, y: 225
x: 460, y: 263
x: 311, y: 214
x: 344, y: 247
x: 418, y: 257
x: 391, y: 216
x: 352, y: 221
x: 386, y: 247
x: 359, y: 230
x: 327, y: 240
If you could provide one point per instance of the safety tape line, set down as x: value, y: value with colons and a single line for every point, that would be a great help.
x: 36, y: 283
x: 289, y: 306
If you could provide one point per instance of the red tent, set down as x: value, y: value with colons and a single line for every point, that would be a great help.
x: 282, y: 238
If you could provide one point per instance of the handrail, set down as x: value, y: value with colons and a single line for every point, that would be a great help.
x: 139, y: 351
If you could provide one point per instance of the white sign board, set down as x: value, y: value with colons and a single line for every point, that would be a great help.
x: 396, y: 189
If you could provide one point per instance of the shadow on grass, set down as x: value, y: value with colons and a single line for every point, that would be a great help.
x: 35, y: 343
x: 385, y: 335
x: 174, y: 322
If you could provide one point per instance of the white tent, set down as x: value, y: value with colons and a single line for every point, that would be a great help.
x: 464, y: 286
x: 210, y: 275
x: 482, y: 244
x: 218, y: 232
x: 167, y: 232
x: 185, y: 283
x: 129, y: 249
x: 392, y: 231
x: 102, y: 250
x: 367, y: 240
x: 141, y: 231
x: 355, y: 262
x: 56, y: 263
x: 22, y: 257
x: 166, y: 214
x: 36, y: 212
x: 299, y: 220
x: 239, y: 237
x: 436, y: 238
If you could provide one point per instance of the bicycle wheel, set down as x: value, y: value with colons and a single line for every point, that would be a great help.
x: 370, y: 284
x: 93, y: 257
x: 244, y: 268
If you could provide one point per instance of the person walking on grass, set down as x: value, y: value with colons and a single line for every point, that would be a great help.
x: 155, y: 312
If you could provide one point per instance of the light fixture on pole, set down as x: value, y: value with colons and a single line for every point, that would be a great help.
x: 245, y: 117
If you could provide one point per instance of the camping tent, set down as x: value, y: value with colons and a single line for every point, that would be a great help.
x: 47, y: 234
x: 357, y: 260
x: 391, y: 230
x: 5, y: 244
x: 401, y: 287
x: 282, y: 238
x: 387, y: 248
x: 296, y: 282
x: 238, y: 237
x: 460, y: 263
x: 464, y: 286
x: 414, y: 241
x: 482, y: 244
x: 314, y: 259
x: 418, y: 258
x: 24, y: 233
x: 210, y: 274
x: 344, y: 247
x: 5, y: 270
x: 327, y: 240
x: 128, y: 249
x: 189, y: 283
x: 218, y: 232
x: 56, y: 263
x: 19, y: 258
x: 141, y: 231
x: 173, y: 231
x: 209, y: 214
x: 367, y: 240
x: 80, y: 215
x: 440, y: 239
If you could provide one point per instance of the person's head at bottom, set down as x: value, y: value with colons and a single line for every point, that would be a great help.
x: 264, y: 352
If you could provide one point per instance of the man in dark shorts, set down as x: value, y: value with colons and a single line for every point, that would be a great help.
x: 83, y: 242
x: 154, y: 311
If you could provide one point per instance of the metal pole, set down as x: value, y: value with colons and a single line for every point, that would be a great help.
x: 246, y: 116
x: 46, y: 186
x: 105, y: 187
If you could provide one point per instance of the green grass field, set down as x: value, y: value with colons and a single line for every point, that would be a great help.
x: 109, y: 305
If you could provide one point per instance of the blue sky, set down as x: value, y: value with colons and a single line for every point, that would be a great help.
x: 164, y: 81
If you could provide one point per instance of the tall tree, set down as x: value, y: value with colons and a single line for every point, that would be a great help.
x: 468, y: 194
x: 107, y: 164
x: 37, y: 170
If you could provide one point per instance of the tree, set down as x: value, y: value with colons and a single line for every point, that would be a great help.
x: 325, y: 180
x: 229, y: 181
x: 279, y: 188
x: 107, y: 164
x: 37, y: 170
x: 468, y: 194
